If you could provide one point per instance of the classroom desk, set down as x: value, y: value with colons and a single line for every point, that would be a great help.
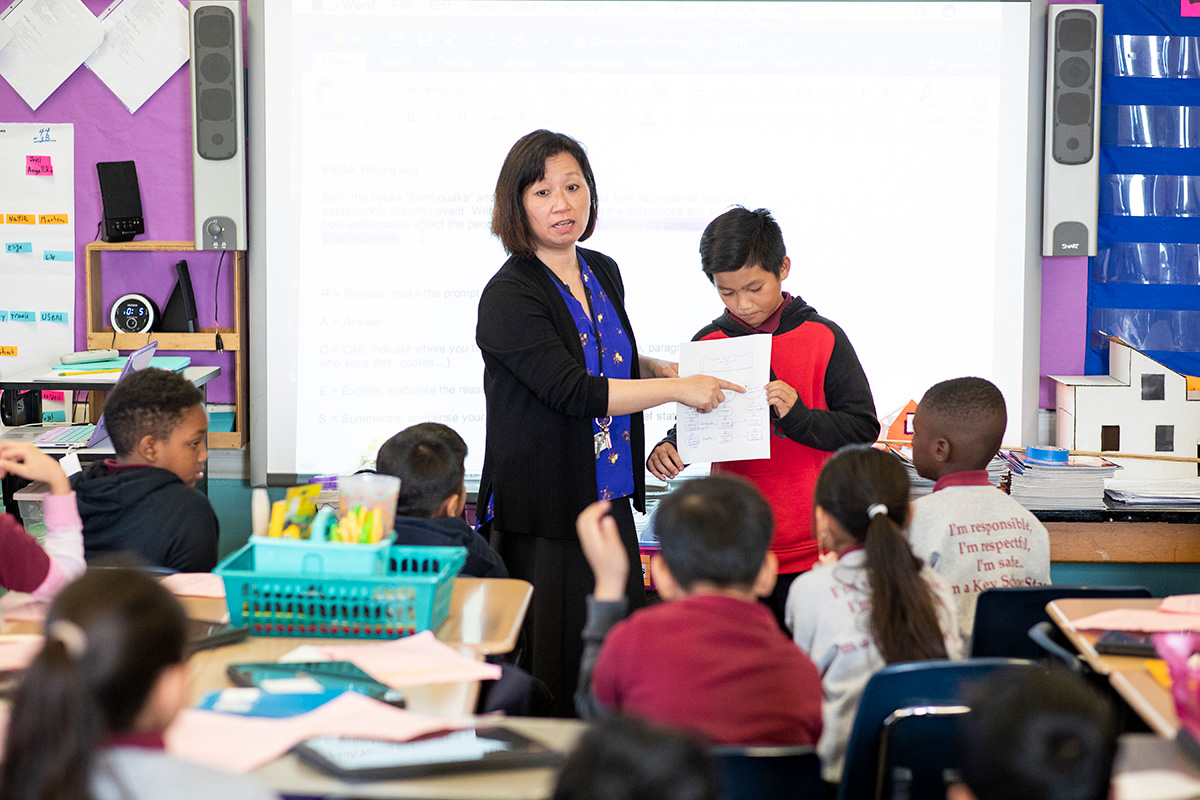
x: 1145, y: 751
x: 1127, y: 674
x: 485, y: 617
x: 1124, y: 534
x: 290, y: 776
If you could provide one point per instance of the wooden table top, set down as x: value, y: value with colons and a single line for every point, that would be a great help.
x: 1129, y: 675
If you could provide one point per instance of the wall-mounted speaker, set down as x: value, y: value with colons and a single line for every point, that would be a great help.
x: 218, y: 125
x: 122, y: 201
x: 1071, y: 177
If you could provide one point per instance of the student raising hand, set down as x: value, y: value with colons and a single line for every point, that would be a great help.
x: 24, y: 566
x: 24, y: 460
x: 604, y: 551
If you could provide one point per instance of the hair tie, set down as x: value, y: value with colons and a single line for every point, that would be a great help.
x: 875, y: 510
x: 73, y: 639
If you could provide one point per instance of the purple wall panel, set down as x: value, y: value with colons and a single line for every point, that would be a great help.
x: 158, y: 139
x: 1064, y: 321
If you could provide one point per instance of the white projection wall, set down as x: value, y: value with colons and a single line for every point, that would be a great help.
x: 891, y: 139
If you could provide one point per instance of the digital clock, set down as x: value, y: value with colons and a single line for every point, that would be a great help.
x: 133, y: 313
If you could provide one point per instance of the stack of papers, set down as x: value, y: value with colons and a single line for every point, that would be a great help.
x: 109, y: 369
x: 1179, y: 492
x: 1075, y: 485
x: 997, y: 471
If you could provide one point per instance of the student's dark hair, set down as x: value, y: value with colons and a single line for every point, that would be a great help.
x: 866, y: 492
x: 714, y: 530
x: 973, y: 406
x: 150, y: 401
x: 109, y: 635
x: 1037, y: 735
x: 742, y: 238
x: 526, y: 164
x: 621, y: 758
x: 428, y: 460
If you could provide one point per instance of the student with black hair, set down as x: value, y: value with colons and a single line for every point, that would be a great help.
x: 1036, y: 735
x: 89, y: 713
x: 428, y: 458
x: 143, y: 501
x: 621, y: 758
x: 819, y: 395
x: 874, y: 603
x: 973, y: 534
x: 712, y: 660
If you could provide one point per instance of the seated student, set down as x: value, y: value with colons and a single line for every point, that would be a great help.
x: 974, y: 535
x: 24, y: 566
x: 89, y: 714
x: 819, y: 396
x: 871, y: 602
x: 621, y: 758
x: 144, y: 501
x: 712, y: 660
x: 1036, y: 736
x: 428, y: 460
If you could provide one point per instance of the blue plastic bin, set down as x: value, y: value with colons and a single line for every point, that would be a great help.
x: 412, y: 595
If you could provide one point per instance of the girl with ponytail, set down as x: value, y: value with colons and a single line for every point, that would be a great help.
x: 88, y: 717
x: 871, y: 602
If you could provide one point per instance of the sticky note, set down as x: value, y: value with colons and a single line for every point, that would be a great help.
x: 52, y: 219
x: 58, y: 255
x: 54, y: 416
x: 38, y: 165
x: 22, y: 316
x: 8, y: 350
x: 54, y: 397
x: 54, y: 316
x: 3, y: 316
x: 1188, y: 8
x: 21, y: 219
x: 18, y: 247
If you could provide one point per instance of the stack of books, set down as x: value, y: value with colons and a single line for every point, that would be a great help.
x: 1177, y: 492
x: 997, y: 471
x: 1077, y: 484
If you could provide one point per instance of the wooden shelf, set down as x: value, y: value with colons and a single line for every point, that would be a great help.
x: 234, y: 340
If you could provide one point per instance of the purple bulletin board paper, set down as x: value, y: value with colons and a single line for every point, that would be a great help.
x: 157, y: 138
x: 1064, y: 321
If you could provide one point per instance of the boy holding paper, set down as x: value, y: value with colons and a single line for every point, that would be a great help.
x: 819, y: 396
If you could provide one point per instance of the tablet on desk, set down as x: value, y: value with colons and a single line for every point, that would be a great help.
x: 476, y: 749
x: 1124, y: 643
x: 338, y: 676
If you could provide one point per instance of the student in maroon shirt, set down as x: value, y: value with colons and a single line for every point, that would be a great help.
x: 713, y: 660
x: 24, y: 565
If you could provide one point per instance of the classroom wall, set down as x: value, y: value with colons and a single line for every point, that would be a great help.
x: 158, y: 139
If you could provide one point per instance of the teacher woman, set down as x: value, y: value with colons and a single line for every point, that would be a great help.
x: 565, y: 390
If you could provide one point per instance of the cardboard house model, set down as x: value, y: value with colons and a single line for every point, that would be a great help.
x: 1140, y: 406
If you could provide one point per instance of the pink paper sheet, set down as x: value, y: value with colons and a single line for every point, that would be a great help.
x: 18, y: 650
x: 417, y: 660
x: 239, y: 744
x: 1137, y: 620
x: 195, y: 584
x: 24, y: 607
x: 1181, y: 604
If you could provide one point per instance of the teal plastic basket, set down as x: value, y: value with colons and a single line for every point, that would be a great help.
x: 412, y: 595
x: 309, y: 557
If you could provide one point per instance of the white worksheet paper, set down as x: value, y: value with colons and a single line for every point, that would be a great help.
x: 740, y: 428
x: 145, y: 42
x: 6, y: 33
x: 51, y: 38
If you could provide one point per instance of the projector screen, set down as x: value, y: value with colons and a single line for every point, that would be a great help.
x: 898, y: 144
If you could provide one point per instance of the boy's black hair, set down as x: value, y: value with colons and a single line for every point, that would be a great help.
x: 621, y: 758
x: 742, y: 238
x: 1037, y: 735
x: 428, y: 459
x: 974, y: 409
x: 714, y: 530
x: 150, y: 401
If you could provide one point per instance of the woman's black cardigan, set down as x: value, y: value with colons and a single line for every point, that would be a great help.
x: 539, y: 463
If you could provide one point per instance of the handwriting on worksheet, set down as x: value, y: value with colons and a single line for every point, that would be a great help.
x: 739, y: 429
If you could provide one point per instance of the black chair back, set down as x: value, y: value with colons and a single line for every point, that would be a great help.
x: 769, y: 773
x: 1003, y: 617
